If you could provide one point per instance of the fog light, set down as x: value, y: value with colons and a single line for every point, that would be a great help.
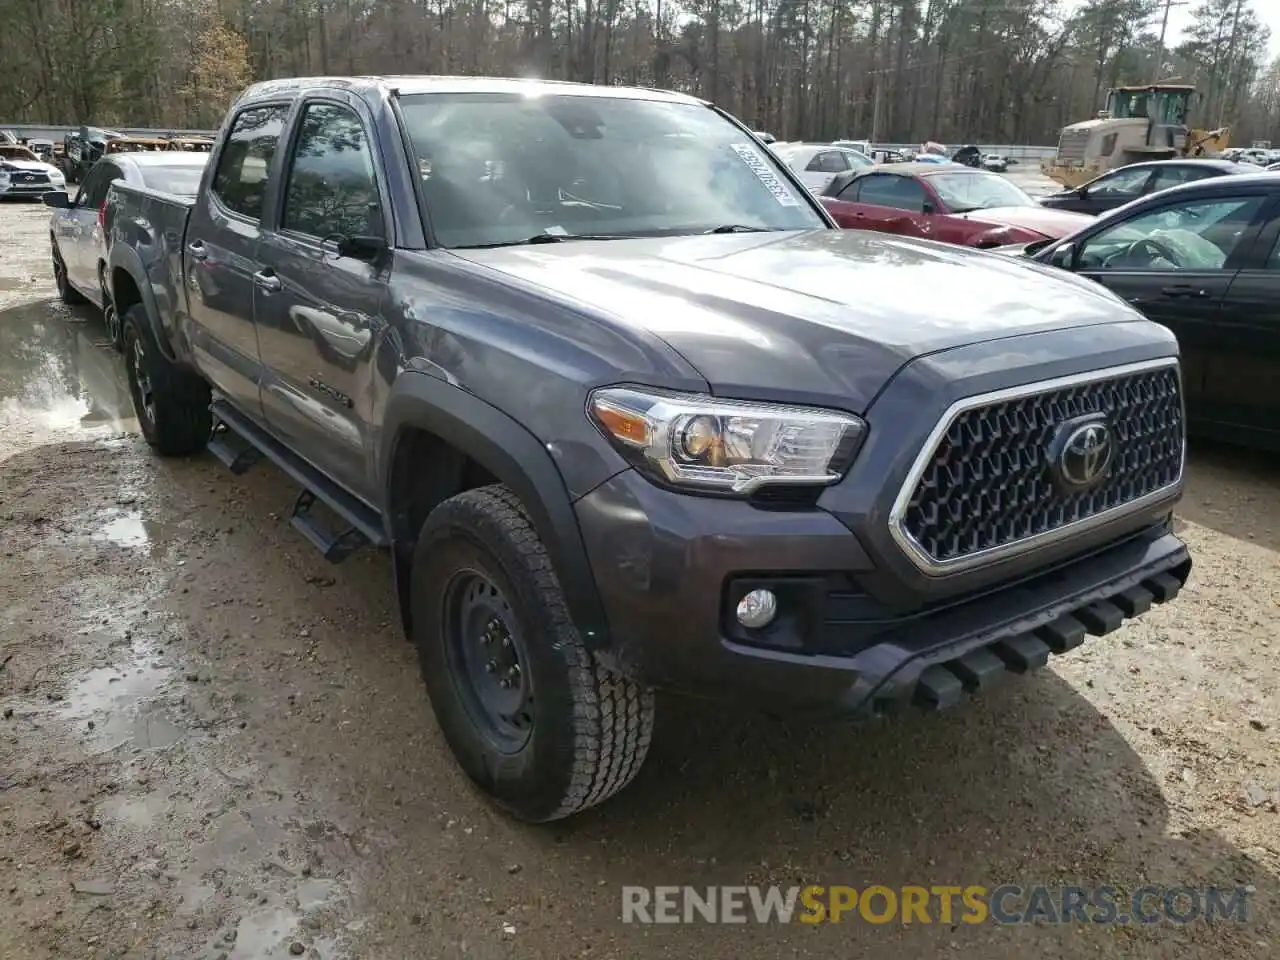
x: 757, y: 609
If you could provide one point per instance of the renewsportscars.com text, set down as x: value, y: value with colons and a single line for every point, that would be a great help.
x: 973, y: 904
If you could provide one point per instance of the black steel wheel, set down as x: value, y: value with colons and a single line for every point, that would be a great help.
x: 531, y: 715
x: 487, y: 659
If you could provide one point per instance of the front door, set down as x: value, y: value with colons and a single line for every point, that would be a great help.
x: 1175, y: 264
x: 319, y: 321
x: 79, y: 228
x: 1242, y: 386
x: 221, y: 255
x: 886, y: 202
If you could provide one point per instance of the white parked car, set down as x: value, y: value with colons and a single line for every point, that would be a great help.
x: 995, y: 163
x: 23, y: 174
x: 817, y: 164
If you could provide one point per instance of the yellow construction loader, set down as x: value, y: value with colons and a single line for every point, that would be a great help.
x: 1139, y: 123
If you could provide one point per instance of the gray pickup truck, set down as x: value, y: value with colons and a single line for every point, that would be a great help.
x: 630, y: 413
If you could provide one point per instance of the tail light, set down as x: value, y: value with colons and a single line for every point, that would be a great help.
x: 102, y: 215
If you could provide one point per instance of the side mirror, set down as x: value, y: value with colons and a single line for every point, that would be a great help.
x: 929, y: 207
x: 361, y: 248
x: 57, y: 199
x: 1082, y: 193
x: 1064, y: 256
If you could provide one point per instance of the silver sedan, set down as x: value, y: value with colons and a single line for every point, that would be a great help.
x: 817, y: 164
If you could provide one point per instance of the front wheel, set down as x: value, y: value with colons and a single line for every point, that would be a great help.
x: 532, y: 717
x: 171, y: 404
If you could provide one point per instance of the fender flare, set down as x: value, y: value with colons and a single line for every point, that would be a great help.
x: 507, y: 450
x: 124, y: 257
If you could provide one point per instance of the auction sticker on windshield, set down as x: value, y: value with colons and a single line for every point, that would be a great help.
x: 760, y: 167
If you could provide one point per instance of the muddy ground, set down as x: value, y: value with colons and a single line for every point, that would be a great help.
x: 215, y: 745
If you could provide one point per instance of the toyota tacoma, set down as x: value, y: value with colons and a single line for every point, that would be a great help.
x: 629, y: 412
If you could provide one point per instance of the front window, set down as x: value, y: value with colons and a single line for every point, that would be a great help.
x: 508, y: 168
x: 1195, y: 235
x: 964, y: 192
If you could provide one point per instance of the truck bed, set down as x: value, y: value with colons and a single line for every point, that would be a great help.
x: 150, y: 227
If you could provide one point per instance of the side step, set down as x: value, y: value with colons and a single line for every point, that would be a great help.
x: 240, y: 443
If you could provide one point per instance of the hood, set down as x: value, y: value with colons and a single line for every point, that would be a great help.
x: 1103, y: 123
x: 30, y: 166
x: 1043, y: 220
x: 813, y: 316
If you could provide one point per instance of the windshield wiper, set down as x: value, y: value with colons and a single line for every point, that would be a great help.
x: 542, y: 238
x: 736, y: 228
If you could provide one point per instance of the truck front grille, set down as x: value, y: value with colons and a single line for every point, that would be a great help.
x: 1071, y: 147
x: 990, y: 480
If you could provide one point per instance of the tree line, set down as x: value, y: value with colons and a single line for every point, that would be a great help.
x: 991, y: 71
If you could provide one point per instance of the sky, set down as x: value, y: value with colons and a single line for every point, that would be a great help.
x: 1267, y: 11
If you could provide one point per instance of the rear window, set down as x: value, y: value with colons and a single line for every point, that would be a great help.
x: 184, y: 181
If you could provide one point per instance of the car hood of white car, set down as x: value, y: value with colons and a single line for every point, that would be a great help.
x: 31, y: 166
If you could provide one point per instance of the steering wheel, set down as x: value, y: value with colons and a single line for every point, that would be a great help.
x: 1152, y: 248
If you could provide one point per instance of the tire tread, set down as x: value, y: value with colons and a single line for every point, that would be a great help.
x: 613, y: 716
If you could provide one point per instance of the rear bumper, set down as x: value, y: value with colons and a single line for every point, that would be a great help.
x: 834, y: 649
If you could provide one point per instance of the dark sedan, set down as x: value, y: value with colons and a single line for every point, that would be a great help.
x: 1204, y: 260
x: 1118, y: 187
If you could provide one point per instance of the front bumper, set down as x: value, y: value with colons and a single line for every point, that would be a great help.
x: 861, y: 628
x: 670, y: 570
x: 35, y: 190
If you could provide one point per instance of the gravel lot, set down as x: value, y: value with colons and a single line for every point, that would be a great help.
x: 215, y: 745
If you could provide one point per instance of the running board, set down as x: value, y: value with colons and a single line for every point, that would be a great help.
x: 240, y: 443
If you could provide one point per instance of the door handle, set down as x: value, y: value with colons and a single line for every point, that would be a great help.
x: 197, y: 250
x: 268, y: 282
x: 1184, y: 290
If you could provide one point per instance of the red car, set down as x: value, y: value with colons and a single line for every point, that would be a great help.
x: 950, y: 203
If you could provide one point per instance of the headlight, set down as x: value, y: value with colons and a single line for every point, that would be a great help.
x: 729, y: 446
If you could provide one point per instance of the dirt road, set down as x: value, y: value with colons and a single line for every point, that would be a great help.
x: 215, y: 745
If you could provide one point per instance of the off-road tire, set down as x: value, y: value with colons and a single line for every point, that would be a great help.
x: 591, y: 727
x: 178, y: 422
x: 66, y: 292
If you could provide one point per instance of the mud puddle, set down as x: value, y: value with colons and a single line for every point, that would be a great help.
x: 59, y: 378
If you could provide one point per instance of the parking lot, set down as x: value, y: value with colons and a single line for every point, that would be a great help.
x: 216, y: 745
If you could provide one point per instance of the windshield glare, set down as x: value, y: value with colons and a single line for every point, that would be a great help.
x: 962, y: 192
x: 502, y: 168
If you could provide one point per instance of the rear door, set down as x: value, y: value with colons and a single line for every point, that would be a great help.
x: 1175, y: 263
x: 1176, y: 174
x: 1242, y: 377
x: 318, y: 315
x: 221, y: 255
x: 1113, y: 190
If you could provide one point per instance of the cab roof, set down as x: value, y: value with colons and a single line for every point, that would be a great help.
x: 392, y: 85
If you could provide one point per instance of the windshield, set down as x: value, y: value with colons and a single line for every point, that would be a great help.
x: 183, y: 181
x: 505, y: 168
x: 963, y: 192
x: 17, y: 153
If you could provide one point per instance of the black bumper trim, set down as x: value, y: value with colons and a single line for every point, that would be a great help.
x: 944, y: 684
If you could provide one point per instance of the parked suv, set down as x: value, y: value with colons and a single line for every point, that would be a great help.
x: 630, y: 411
